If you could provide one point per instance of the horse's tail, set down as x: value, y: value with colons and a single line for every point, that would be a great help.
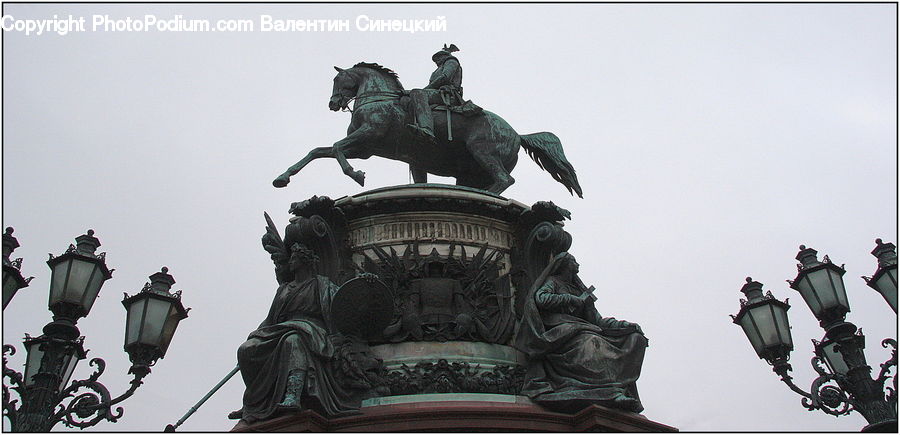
x: 546, y: 150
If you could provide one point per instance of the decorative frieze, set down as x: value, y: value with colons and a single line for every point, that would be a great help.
x: 402, y: 228
x: 443, y: 376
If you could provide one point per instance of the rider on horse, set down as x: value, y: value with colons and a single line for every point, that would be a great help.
x: 481, y: 155
x: 444, y: 88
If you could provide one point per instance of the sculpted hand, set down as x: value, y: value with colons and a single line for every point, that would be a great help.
x: 586, y: 299
x: 626, y: 324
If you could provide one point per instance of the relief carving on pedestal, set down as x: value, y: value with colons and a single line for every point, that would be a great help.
x: 440, y: 298
x: 455, y: 377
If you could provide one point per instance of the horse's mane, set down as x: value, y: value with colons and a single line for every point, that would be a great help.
x: 386, y: 71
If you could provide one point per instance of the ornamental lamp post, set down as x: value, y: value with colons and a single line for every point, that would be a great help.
x: 844, y: 383
x: 884, y: 281
x: 47, y: 396
x: 12, y: 275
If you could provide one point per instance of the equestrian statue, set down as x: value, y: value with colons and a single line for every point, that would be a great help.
x: 432, y: 129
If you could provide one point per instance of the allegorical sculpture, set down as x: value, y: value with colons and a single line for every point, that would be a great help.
x: 297, y: 358
x: 452, y: 138
x: 291, y: 345
x: 575, y: 356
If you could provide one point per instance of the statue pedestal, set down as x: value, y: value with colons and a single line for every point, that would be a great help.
x: 456, y: 265
x: 516, y: 415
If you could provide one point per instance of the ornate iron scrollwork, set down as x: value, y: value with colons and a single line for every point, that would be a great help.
x: 891, y: 392
x: 840, y: 394
x: 80, y: 410
x: 827, y: 396
x: 10, y: 407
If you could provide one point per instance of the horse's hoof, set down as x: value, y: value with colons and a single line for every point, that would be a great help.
x: 359, y: 177
x: 281, y: 181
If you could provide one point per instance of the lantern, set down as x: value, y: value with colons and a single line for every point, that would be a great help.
x: 884, y: 281
x: 153, y: 316
x: 842, y: 352
x: 76, y: 278
x: 52, y: 357
x: 821, y: 284
x: 765, y: 322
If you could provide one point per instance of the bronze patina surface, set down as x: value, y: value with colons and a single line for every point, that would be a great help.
x: 431, y: 129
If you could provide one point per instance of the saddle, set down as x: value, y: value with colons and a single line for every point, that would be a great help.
x: 452, y: 97
x: 452, y: 103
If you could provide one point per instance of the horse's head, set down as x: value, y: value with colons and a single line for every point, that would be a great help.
x: 364, y: 78
x: 345, y: 87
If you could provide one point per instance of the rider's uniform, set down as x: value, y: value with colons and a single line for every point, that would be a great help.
x: 444, y: 87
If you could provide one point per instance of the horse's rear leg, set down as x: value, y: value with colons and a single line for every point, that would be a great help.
x: 490, y: 163
x: 418, y: 175
x: 316, y: 153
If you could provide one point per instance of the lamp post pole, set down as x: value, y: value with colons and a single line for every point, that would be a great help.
x: 845, y: 382
x: 47, y: 397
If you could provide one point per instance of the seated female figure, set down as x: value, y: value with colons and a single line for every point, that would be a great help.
x: 287, y: 357
x: 575, y: 356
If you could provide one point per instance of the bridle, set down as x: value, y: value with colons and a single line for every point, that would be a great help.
x: 366, y: 98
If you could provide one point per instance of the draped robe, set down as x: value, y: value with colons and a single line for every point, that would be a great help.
x: 294, y: 336
x: 575, y: 356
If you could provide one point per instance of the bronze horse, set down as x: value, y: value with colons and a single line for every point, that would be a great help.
x: 482, y: 153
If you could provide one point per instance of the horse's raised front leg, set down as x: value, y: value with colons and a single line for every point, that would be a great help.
x: 357, y: 176
x: 316, y: 153
x: 338, y: 152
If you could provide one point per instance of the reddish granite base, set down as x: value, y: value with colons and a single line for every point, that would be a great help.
x: 461, y: 417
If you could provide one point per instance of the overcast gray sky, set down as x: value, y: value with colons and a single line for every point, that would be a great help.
x: 710, y: 140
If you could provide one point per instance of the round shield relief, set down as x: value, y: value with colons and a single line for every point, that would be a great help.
x: 362, y: 307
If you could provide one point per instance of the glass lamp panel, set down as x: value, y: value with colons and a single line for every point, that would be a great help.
x: 79, y: 278
x: 768, y: 326
x: 821, y: 284
x: 752, y: 333
x: 33, y: 361
x: 169, y: 329
x: 783, y: 326
x: 834, y: 359
x: 886, y: 284
x: 134, y: 320
x: 154, y: 321
x: 840, y: 292
x: 93, y: 288
x: 58, y: 278
x: 10, y: 287
x: 810, y: 287
x: 70, y: 360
